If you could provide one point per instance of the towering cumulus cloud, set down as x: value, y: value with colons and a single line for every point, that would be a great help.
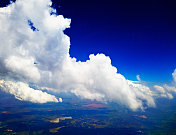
x: 34, y: 49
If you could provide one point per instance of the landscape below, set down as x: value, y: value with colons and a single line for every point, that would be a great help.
x: 77, y: 116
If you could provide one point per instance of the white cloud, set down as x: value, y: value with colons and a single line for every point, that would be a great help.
x: 23, y: 67
x: 167, y: 90
x: 170, y: 96
x: 170, y: 88
x: 162, y: 91
x: 174, y: 75
x: 159, y: 88
x: 23, y: 92
x: 21, y: 47
x: 138, y: 78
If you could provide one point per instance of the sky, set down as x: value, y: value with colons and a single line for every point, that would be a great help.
x: 139, y: 35
x: 108, y: 51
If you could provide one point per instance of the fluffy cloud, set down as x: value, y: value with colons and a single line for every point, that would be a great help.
x: 34, y: 49
x: 167, y: 89
x: 23, y: 92
x: 163, y: 91
x: 160, y: 89
x: 22, y: 67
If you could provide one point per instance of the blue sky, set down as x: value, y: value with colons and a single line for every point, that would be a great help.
x: 139, y: 36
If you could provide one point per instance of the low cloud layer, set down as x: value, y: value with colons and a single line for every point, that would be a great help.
x: 34, y: 49
x: 23, y: 92
x: 167, y: 90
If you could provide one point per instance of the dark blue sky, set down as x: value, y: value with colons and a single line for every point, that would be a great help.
x: 138, y: 35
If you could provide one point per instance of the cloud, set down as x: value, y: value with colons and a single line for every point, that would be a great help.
x: 23, y: 92
x: 167, y: 90
x: 138, y: 78
x: 34, y: 49
x: 162, y: 91
x: 22, y: 67
x: 174, y: 75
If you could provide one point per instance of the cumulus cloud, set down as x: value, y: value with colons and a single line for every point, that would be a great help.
x: 167, y: 90
x: 34, y: 49
x: 22, y: 67
x: 162, y: 91
x: 23, y: 92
